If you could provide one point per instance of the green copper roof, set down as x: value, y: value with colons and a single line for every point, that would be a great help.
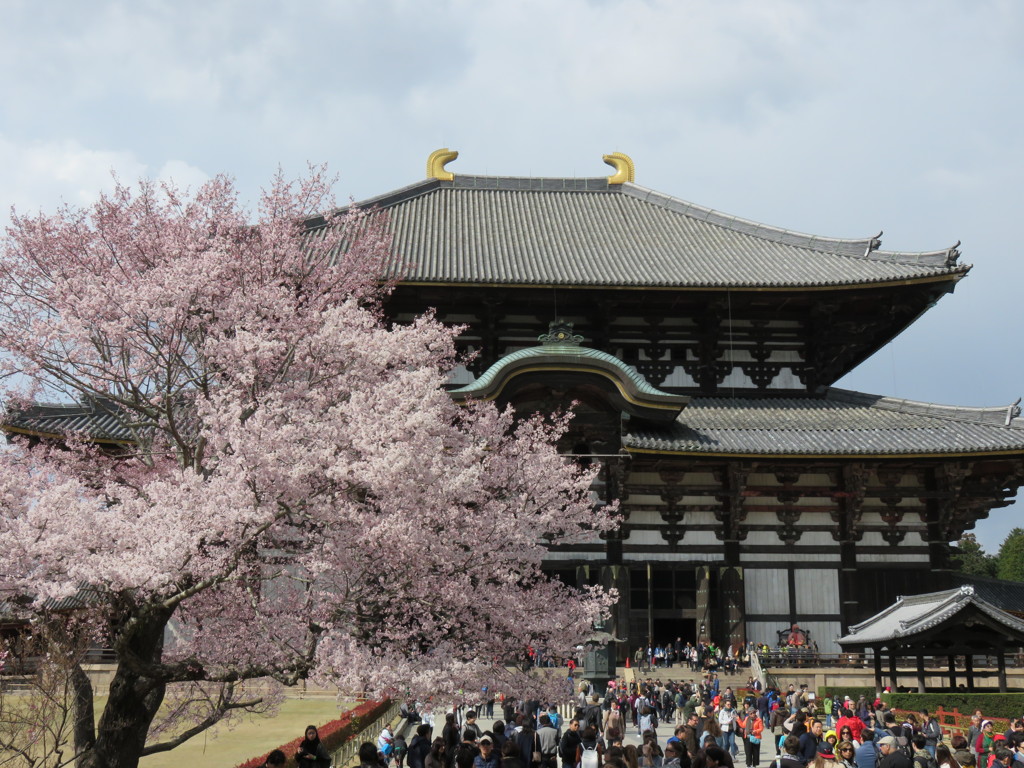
x: 561, y: 355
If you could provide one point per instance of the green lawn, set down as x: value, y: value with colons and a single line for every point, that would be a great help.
x: 254, y: 736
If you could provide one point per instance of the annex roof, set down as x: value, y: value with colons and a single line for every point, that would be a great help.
x: 914, y: 616
x: 497, y: 230
x: 838, y: 424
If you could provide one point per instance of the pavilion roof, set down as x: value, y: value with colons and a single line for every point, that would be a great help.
x: 914, y: 616
x: 496, y: 230
x: 95, y: 420
x: 839, y: 424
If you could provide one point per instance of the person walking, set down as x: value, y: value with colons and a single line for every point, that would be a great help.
x: 727, y: 722
x: 753, y: 728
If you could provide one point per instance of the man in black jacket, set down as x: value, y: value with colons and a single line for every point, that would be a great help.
x: 890, y: 755
x: 809, y: 742
x: 570, y: 741
x: 593, y: 715
x: 452, y: 737
x: 419, y: 748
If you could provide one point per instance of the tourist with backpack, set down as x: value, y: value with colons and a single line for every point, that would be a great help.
x: 922, y: 757
x: 931, y: 731
x: 590, y: 752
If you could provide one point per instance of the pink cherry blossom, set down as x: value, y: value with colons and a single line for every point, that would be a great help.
x: 300, y: 496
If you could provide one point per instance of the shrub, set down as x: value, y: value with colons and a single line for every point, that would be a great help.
x: 332, y: 734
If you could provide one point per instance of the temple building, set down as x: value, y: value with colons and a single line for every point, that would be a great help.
x: 699, y: 351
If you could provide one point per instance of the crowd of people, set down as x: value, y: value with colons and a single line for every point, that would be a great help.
x: 710, y: 727
x: 703, y: 656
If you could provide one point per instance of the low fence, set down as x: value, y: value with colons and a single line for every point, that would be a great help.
x: 348, y: 753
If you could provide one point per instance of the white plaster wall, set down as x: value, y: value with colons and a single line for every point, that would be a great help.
x: 764, y: 631
x: 766, y: 590
x: 817, y: 591
x: 679, y: 378
x: 895, y: 557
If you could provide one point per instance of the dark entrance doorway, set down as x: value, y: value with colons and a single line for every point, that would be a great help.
x: 663, y: 604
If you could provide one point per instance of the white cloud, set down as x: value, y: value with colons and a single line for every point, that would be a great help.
x: 42, y: 175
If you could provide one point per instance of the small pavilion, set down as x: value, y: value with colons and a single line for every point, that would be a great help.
x: 951, y: 625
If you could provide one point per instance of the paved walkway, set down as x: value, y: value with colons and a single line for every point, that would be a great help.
x: 665, y: 731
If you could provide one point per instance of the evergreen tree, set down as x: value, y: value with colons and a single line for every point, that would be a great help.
x: 969, y: 558
x: 1011, y: 556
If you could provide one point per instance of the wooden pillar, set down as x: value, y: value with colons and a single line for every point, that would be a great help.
x: 920, y: 673
x: 878, y: 671
x: 892, y: 668
x: 731, y: 591
x: 1001, y: 662
x: 969, y: 669
x: 704, y: 630
x: 952, y: 672
x: 650, y: 606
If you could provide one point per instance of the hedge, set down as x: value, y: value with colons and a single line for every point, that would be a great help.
x: 853, y: 691
x: 993, y: 705
x: 332, y: 734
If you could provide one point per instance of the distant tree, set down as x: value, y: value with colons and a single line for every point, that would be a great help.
x: 1011, y: 556
x: 970, y: 558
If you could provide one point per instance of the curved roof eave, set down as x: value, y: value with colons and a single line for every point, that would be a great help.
x: 571, y: 359
x: 456, y: 233
x: 841, y: 425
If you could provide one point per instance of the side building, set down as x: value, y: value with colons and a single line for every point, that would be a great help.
x: 699, y: 352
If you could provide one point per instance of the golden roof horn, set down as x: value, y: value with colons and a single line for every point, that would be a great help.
x: 438, y: 159
x: 623, y: 166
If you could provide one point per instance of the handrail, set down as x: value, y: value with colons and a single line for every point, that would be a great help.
x: 755, y: 669
x: 348, y: 753
x: 805, y: 657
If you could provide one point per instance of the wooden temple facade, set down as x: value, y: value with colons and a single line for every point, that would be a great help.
x: 699, y: 352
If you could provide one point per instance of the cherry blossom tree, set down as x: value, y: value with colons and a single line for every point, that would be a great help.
x: 297, y: 495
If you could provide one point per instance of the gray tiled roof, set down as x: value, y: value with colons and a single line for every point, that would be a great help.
x: 528, y: 231
x: 911, y: 615
x: 841, y: 423
x: 96, y: 421
x: 1002, y: 593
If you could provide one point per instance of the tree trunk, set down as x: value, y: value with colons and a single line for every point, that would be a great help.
x: 132, y: 703
x: 82, y: 710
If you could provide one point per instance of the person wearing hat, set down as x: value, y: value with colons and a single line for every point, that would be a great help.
x: 826, y: 757
x: 890, y: 755
x: 487, y: 757
x: 984, y: 744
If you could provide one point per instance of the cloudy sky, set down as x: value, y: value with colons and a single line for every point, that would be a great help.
x: 835, y: 118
